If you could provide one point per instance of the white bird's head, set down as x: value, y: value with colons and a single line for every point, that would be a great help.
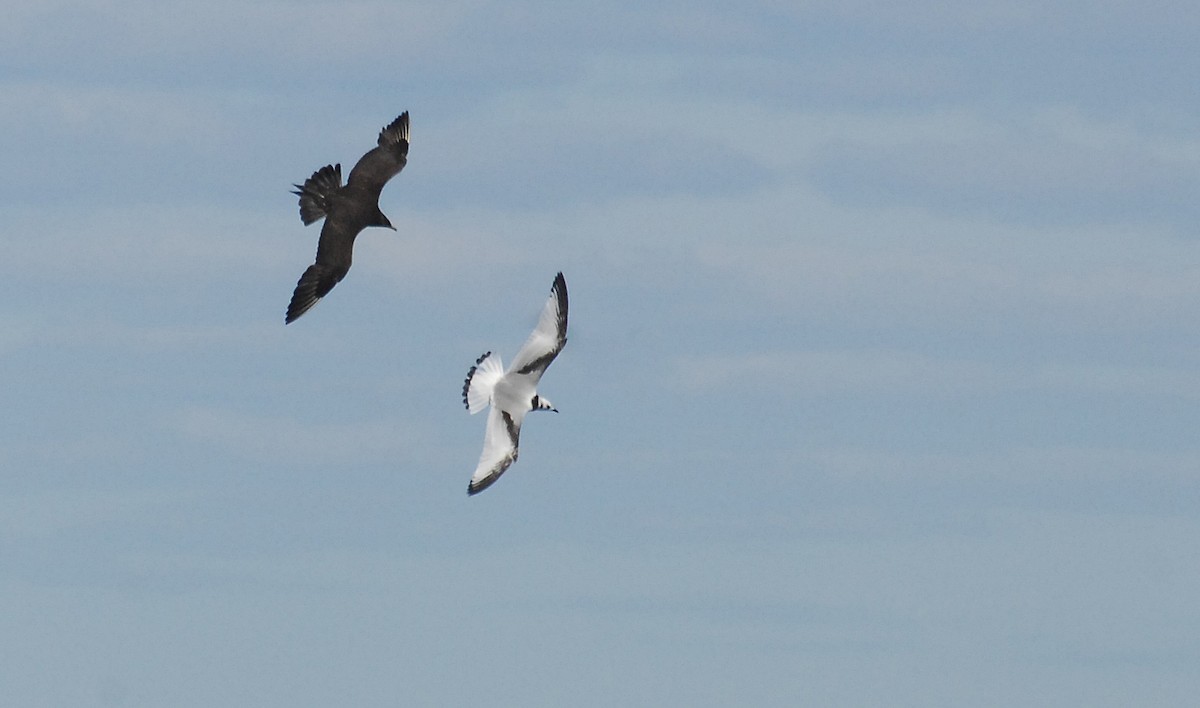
x: 541, y: 404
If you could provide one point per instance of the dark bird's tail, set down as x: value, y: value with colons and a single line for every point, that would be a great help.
x: 317, y: 191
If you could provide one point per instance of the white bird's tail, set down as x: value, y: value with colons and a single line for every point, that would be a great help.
x: 481, y: 379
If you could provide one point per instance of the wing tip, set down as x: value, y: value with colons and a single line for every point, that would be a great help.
x: 559, y: 289
x: 298, y: 307
x: 302, y: 301
x: 314, y: 284
x: 396, y: 131
x: 476, y: 486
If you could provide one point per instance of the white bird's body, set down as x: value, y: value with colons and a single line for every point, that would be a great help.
x: 513, y: 393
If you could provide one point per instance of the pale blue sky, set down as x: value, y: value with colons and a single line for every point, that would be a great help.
x: 882, y: 384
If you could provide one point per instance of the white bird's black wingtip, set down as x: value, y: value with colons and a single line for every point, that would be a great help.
x: 559, y: 290
x: 476, y: 486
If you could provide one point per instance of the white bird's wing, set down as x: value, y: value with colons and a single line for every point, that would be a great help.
x: 548, y: 338
x: 499, y: 449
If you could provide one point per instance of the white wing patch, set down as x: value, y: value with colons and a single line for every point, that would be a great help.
x: 550, y: 334
x: 499, y: 450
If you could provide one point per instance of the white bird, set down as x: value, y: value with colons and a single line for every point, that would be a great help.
x: 513, y: 393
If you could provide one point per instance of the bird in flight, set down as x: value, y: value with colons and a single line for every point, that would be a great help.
x: 513, y: 393
x: 347, y: 210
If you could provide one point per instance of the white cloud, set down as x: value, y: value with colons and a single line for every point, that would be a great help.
x: 903, y: 265
x: 1048, y: 167
x: 41, y: 514
x: 152, y: 244
x: 799, y: 373
x: 275, y: 438
x: 807, y: 373
x: 1030, y: 467
x: 278, y: 34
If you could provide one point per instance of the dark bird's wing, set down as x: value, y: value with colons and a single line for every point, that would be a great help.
x: 334, y: 254
x: 548, y: 338
x: 499, y: 450
x: 385, y: 160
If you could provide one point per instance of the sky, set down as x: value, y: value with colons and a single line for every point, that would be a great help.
x: 881, y: 386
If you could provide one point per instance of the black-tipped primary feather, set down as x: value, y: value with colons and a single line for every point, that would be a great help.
x: 347, y: 210
x: 502, y: 440
x: 550, y: 336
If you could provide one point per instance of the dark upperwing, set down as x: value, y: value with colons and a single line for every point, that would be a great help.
x: 384, y: 161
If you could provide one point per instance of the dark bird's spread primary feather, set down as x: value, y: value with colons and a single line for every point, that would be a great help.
x: 347, y: 210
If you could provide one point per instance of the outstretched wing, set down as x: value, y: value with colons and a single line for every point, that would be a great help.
x: 548, y: 338
x: 499, y: 450
x: 335, y: 252
x: 385, y: 160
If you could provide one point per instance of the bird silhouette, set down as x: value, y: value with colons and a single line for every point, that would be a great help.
x: 513, y: 393
x: 347, y: 210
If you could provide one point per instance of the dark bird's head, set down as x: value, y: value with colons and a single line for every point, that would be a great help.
x: 380, y: 219
x: 541, y: 404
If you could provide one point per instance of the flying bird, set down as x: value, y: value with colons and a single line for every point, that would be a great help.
x: 513, y: 393
x: 347, y: 210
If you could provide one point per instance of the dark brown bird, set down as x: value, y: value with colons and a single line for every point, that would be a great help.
x: 347, y: 210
